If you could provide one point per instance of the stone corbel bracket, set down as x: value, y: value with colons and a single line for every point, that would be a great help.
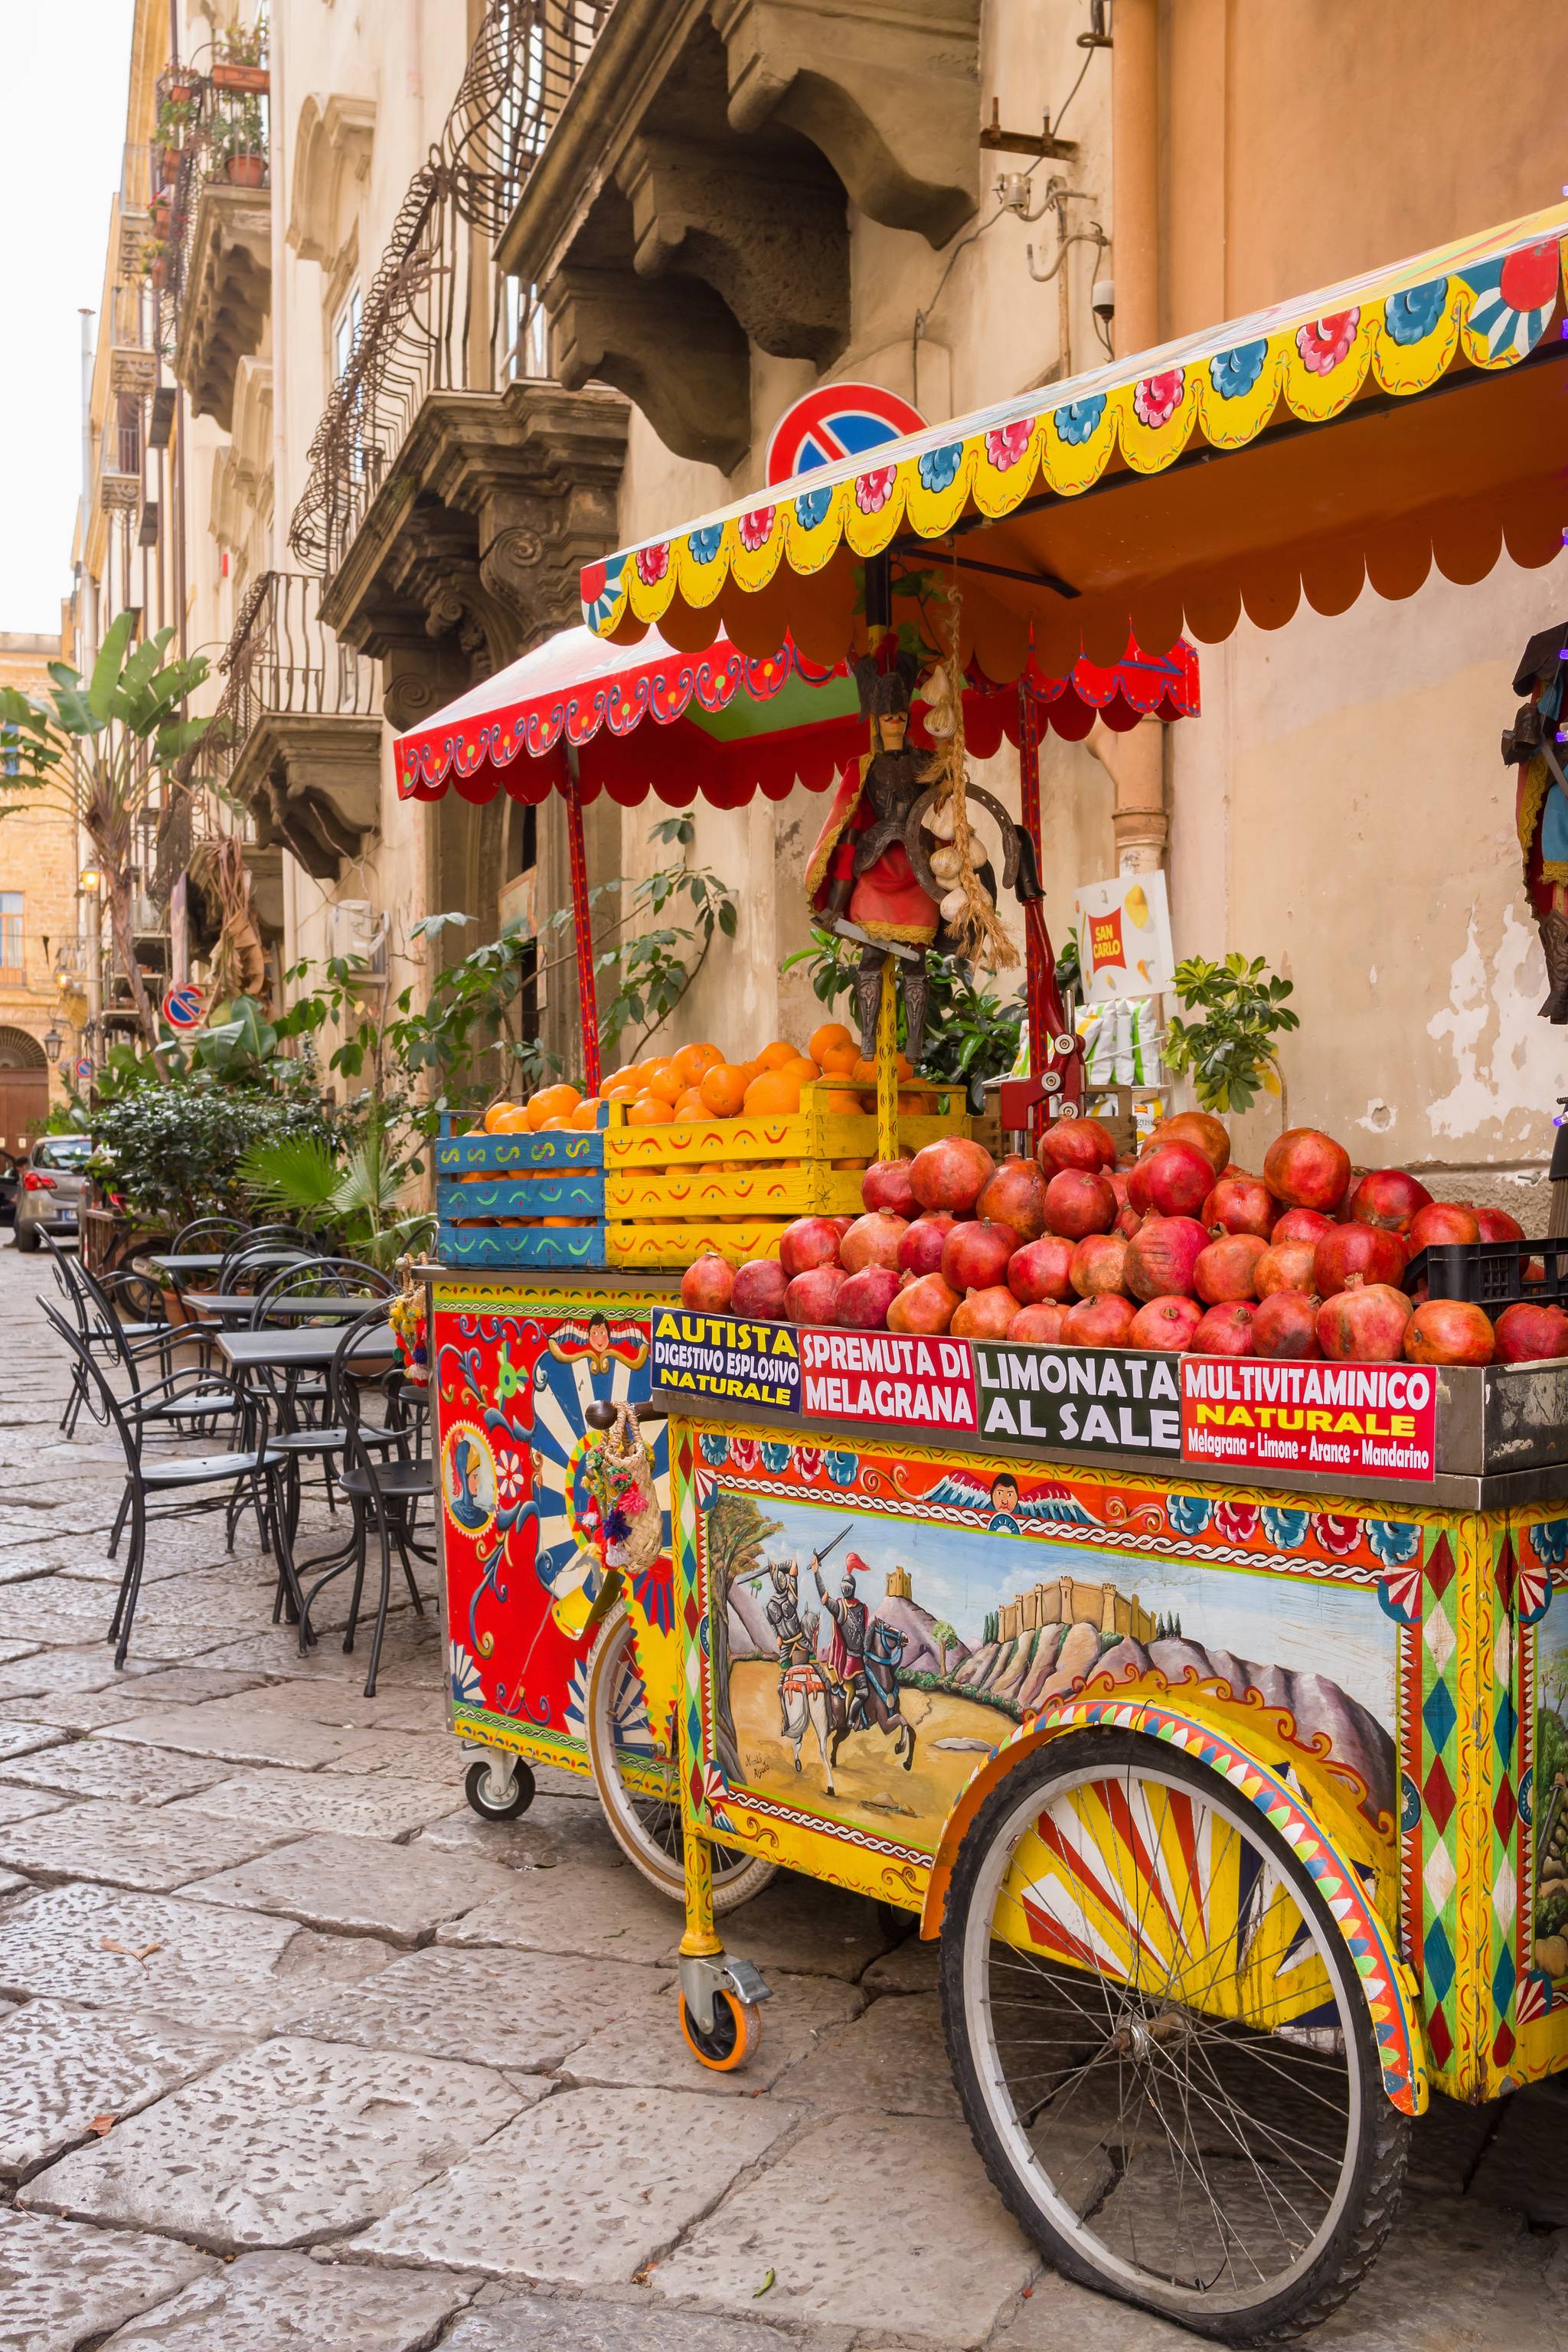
x: 228, y: 296
x: 313, y: 781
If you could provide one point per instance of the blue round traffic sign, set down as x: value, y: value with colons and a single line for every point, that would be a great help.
x: 835, y: 421
x: 182, y: 1007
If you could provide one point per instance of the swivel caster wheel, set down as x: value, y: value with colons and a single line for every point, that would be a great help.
x: 494, y: 1796
x: 728, y: 2042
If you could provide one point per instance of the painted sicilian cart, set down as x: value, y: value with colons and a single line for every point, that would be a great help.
x: 1236, y: 1797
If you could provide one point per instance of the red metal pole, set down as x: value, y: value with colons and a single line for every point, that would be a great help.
x: 583, y: 931
x: 1038, y: 974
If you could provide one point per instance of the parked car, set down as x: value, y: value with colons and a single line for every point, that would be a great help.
x: 53, y: 1189
x: 10, y: 1185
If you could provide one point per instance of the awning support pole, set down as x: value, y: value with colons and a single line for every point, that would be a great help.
x: 1039, y: 978
x: 582, y: 928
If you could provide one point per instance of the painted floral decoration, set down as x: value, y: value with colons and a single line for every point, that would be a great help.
x: 1006, y: 444
x: 653, y: 563
x: 1080, y: 421
x: 756, y: 528
x: 938, y: 466
x: 1393, y: 1542
x: 744, y: 1453
x: 1410, y: 317
x: 873, y: 490
x: 1188, y: 1514
x: 705, y: 543
x: 512, y: 1478
x: 463, y: 1674
x: 715, y: 1449
x: 1155, y: 398
x: 1335, y: 1533
x: 1286, y: 1530
x: 775, y: 1457
x: 1549, y: 1542
x: 1323, y: 342
x: 1233, y: 374
x: 811, y: 507
x: 1236, y: 1521
x: 841, y: 1466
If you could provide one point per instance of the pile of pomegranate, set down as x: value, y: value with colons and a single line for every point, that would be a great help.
x: 1178, y: 1249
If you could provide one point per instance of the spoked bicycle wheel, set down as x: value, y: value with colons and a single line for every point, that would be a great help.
x: 1162, y: 2045
x: 638, y: 1782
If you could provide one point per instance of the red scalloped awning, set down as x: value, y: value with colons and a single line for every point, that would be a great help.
x: 727, y: 725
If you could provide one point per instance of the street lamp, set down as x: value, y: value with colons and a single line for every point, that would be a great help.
x: 53, y: 1040
x: 90, y: 877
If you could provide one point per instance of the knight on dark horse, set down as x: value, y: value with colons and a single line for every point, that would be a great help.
x: 864, y: 1655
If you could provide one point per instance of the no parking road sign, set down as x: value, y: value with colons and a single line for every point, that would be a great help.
x: 836, y: 420
x: 182, y: 1007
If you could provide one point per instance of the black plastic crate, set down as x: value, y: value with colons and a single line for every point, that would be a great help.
x: 1493, y: 1275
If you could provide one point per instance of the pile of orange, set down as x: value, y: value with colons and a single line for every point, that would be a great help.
x: 553, y: 1110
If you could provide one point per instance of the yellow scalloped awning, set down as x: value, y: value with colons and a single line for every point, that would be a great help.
x: 1412, y: 417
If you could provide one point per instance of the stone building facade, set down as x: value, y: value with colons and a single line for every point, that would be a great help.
x: 1064, y: 1602
x: 40, y: 995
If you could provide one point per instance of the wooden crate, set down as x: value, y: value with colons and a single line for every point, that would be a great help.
x: 814, y: 1133
x: 758, y: 1192
x: 503, y: 1246
x: 651, y: 1247
x: 565, y: 1195
x: 581, y: 1150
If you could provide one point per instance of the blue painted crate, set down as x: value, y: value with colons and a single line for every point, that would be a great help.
x: 581, y: 1150
x: 566, y: 1195
x: 491, y: 1245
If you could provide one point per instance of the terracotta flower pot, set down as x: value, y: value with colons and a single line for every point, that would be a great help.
x: 247, y: 170
x: 171, y: 166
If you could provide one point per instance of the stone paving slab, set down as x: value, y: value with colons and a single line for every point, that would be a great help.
x: 251, y: 1731
x: 611, y: 1913
x: 1054, y: 2314
x: 11, y: 1651
x: 27, y: 1804
x: 188, y: 1686
x: 1521, y: 2168
x: 413, y: 1652
x: 613, y: 2177
x: 73, y: 1710
x: 1454, y: 2276
x: 97, y: 1945
x: 348, y: 1709
x: 288, y: 2303
x: 12, y: 1882
x: 356, y: 1885
x: 497, y: 2009
x: 363, y: 1806
x: 62, y: 2069
x: 909, y: 1967
x: 645, y: 2044
x: 25, y: 1738
x: 88, y: 1669
x: 297, y: 2141
x: 101, y: 1768
x: 553, y: 1830
x: 548, y: 2323
x: 63, y: 2285
x: 132, y: 1845
x: 943, y: 2261
x: 893, y: 2060
x: 430, y: 1756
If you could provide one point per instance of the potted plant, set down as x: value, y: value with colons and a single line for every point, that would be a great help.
x: 238, y: 65
x: 156, y: 264
x: 241, y: 141
x: 178, y: 86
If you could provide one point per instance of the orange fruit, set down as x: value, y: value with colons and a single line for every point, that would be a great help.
x: 865, y: 1073
x: 662, y: 1078
x: 553, y: 1127
x: 690, y: 1105
x: 650, y: 1111
x: 693, y: 1060
x: 775, y: 1056
x: 552, y: 1102
x: 513, y: 1119
x: 723, y: 1090
x: 775, y: 1092
x: 801, y: 1068
x: 616, y: 1077
x: 493, y: 1117
x: 831, y: 1038
x: 586, y: 1113
x: 838, y: 1061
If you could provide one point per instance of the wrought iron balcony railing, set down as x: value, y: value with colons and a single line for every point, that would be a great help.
x: 282, y: 661
x: 439, y: 316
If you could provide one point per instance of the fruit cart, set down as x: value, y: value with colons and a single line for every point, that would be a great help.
x: 1200, y: 1707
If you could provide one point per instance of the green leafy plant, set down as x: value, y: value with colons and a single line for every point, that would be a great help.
x: 972, y: 1033
x: 168, y: 1152
x: 1231, y: 1051
x: 357, y: 1200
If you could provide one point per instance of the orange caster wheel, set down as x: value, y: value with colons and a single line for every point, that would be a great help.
x: 728, y: 2044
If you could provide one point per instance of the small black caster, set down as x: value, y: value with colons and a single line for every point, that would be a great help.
x: 493, y: 1795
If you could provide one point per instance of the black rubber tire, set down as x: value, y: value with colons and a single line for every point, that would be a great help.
x: 733, y: 2038
x: 1383, y: 2140
x: 25, y: 1238
x: 523, y: 1793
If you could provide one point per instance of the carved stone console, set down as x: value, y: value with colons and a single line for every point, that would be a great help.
x: 227, y: 296
x: 313, y: 782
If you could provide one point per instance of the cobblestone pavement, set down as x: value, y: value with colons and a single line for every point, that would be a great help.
x: 294, y: 2051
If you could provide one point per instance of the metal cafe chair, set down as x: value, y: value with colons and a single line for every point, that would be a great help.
x: 205, y: 1235
x: 300, y: 1400
x: 384, y: 1475
x: 99, y: 1324
x: 251, y: 1464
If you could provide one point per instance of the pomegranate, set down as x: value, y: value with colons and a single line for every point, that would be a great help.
x: 1127, y: 1221
x: 976, y: 1255
x: 1082, y: 1143
x: 1286, y: 1265
x: 1389, y: 1198
x: 1119, y: 1179
x: 1240, y: 1204
x: 1194, y: 1126
x: 1102, y: 1322
x: 987, y: 1314
x: 708, y: 1283
x: 1165, y: 1323
x: 1162, y: 1254
x: 1529, y: 1334
x: 1440, y: 1222
x: 1077, y: 1203
x: 810, y: 1241
x: 1285, y: 1325
x: 926, y: 1304
x: 1302, y: 1226
x: 759, y: 1289
x: 1497, y: 1225
x: 1015, y: 1196
x: 872, y: 1240
x: 1356, y: 1253
x: 1040, y: 1324
x: 1227, y: 1269
x: 1225, y: 1331
x: 813, y: 1297
x: 919, y: 1251
x: 864, y: 1301
x: 951, y: 1173
x: 1365, y: 1325
x: 841, y: 1225
x: 1041, y: 1271
x: 885, y: 1185
x: 1449, y: 1331
x: 1173, y: 1181
x: 1307, y: 1169
x: 1099, y: 1264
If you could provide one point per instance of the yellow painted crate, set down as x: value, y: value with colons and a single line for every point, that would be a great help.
x: 814, y: 1190
x: 814, y: 1133
x: 650, y: 1248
